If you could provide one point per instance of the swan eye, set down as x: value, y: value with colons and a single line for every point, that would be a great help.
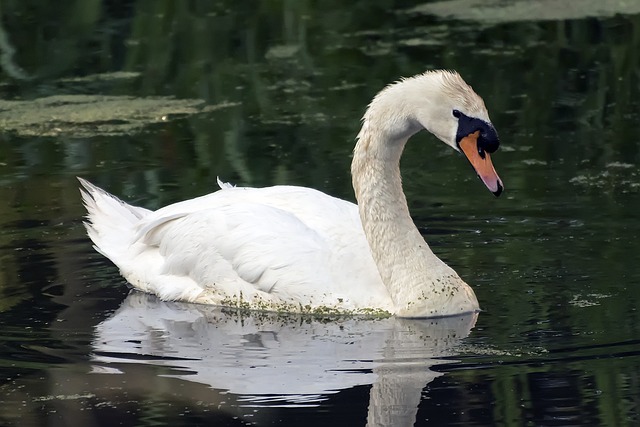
x: 456, y: 113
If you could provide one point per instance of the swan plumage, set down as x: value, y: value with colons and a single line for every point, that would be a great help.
x: 296, y: 249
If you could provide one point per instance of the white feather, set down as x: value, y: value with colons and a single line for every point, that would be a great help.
x: 272, y: 244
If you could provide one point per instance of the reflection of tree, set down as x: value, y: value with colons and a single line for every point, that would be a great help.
x: 6, y: 58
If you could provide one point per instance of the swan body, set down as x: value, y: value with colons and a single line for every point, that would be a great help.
x: 296, y: 249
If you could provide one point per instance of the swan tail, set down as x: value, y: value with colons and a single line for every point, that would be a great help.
x: 110, y: 221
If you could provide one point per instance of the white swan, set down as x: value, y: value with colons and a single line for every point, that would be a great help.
x: 296, y: 249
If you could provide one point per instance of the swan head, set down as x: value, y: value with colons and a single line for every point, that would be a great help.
x: 444, y: 104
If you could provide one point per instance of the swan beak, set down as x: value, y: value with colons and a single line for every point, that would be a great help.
x: 481, y: 162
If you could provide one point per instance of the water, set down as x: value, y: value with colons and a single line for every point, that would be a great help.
x: 153, y: 100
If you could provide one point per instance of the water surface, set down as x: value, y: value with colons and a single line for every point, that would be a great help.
x: 154, y: 100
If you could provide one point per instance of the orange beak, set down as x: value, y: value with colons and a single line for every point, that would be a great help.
x: 481, y: 162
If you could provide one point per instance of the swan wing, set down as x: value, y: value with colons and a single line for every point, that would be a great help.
x: 288, y: 245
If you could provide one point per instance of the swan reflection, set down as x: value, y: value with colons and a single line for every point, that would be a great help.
x: 272, y: 359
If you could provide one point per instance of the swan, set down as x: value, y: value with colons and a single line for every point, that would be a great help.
x: 296, y: 249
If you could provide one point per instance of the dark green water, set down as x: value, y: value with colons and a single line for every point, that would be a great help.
x: 154, y: 99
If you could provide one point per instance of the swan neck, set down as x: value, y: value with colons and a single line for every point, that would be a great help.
x: 393, y: 238
x: 418, y: 282
x: 376, y: 179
